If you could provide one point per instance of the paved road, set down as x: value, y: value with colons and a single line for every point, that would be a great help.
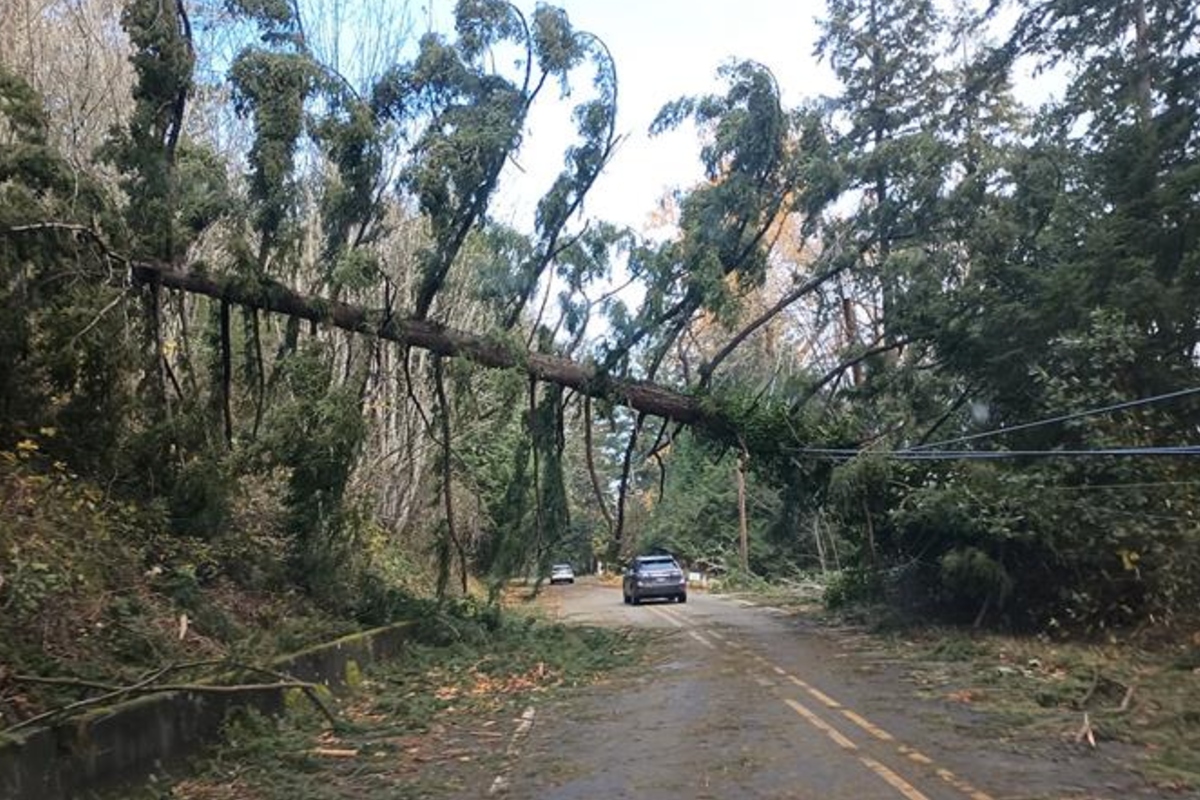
x: 743, y: 703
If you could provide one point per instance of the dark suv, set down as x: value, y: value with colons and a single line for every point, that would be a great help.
x: 654, y: 576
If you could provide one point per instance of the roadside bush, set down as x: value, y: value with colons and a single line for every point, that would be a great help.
x: 853, y: 585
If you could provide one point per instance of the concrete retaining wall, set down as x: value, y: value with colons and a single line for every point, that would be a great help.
x: 130, y: 741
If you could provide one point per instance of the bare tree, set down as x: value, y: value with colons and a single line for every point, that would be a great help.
x: 75, y: 54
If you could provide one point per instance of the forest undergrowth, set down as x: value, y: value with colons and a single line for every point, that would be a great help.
x: 97, y: 589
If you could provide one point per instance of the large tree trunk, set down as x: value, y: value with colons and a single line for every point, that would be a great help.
x: 641, y: 396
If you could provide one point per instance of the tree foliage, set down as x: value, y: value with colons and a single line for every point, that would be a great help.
x: 865, y: 298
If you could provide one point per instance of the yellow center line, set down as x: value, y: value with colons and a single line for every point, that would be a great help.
x: 856, y: 718
x: 672, y: 618
x: 673, y: 614
x: 867, y: 725
x: 798, y: 682
x: 892, y: 778
x: 964, y: 787
x: 824, y: 698
x: 914, y: 755
x: 895, y: 781
x: 667, y: 617
x: 820, y: 724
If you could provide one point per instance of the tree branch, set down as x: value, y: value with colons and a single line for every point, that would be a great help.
x: 591, y: 465
x: 226, y: 376
x: 707, y: 369
x: 845, y: 365
x: 614, y: 545
x: 448, y: 472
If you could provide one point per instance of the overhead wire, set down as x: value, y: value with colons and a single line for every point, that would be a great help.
x: 997, y: 455
x: 1145, y: 515
x: 1057, y: 419
x: 935, y: 451
x: 1087, y: 487
x: 989, y: 455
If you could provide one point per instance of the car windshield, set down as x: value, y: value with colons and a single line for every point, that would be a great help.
x: 561, y: 568
x: 656, y: 564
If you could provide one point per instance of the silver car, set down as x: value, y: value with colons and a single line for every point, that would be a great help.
x: 562, y: 573
x: 654, y: 576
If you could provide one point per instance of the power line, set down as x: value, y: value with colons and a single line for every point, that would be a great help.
x: 1061, y: 418
x: 992, y: 455
x: 998, y: 455
x: 1140, y: 514
x: 1083, y: 487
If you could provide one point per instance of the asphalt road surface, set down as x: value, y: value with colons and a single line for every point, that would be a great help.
x: 744, y: 701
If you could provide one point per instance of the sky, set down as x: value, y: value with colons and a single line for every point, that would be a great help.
x: 664, y: 49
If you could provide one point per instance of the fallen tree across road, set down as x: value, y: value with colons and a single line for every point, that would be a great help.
x: 267, y: 295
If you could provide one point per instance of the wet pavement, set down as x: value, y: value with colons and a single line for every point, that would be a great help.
x: 745, y: 701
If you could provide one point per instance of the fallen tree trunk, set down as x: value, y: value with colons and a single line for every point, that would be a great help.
x: 486, y: 351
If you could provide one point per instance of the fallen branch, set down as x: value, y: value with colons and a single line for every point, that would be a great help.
x: 332, y: 752
x: 1086, y: 732
x: 82, y: 683
x: 1087, y: 696
x: 309, y: 689
x: 78, y: 683
x: 147, y: 685
x: 91, y: 701
x: 1127, y: 699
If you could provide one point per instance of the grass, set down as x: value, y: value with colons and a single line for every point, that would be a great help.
x: 435, y: 721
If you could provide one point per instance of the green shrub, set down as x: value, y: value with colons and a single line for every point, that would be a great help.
x: 853, y: 585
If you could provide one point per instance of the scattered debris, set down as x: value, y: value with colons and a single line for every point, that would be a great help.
x: 329, y: 752
x: 1086, y: 732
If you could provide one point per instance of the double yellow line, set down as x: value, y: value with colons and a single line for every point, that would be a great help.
x: 888, y: 775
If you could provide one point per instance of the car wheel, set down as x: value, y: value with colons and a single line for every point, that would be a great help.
x: 626, y: 598
x: 683, y: 598
x: 635, y: 600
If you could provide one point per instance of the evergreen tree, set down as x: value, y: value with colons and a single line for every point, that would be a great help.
x: 890, y: 113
